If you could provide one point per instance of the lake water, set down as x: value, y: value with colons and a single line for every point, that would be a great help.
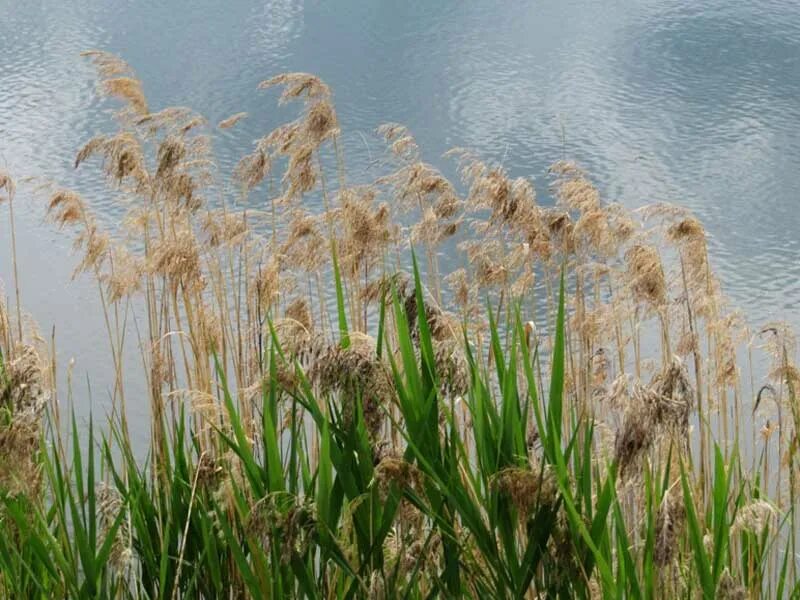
x: 695, y: 103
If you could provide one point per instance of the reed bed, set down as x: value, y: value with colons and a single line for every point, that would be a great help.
x: 338, y: 412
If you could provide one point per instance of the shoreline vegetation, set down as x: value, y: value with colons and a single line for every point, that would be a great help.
x: 570, y: 413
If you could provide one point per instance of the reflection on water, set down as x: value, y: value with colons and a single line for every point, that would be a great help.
x: 659, y: 100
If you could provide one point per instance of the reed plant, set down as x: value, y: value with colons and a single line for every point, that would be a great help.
x: 338, y: 409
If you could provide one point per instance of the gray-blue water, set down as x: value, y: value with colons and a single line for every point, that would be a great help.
x: 690, y: 102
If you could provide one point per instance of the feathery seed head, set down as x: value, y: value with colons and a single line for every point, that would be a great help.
x: 646, y: 275
x: 129, y: 90
x: 298, y: 85
x: 298, y: 311
x: 573, y: 189
x: 305, y: 247
x: 232, y: 120
x: 109, y: 507
x: 178, y: 258
x: 527, y: 488
x: 355, y: 373
x: 252, y: 169
x: 66, y: 207
x: 401, y: 142
x: 728, y: 588
x: 395, y: 471
x: 754, y: 517
x: 224, y: 228
x: 669, y: 527
x: 321, y: 122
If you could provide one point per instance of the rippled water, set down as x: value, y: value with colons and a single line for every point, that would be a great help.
x: 696, y: 103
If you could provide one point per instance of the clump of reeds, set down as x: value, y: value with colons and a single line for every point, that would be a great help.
x: 24, y: 392
x: 560, y: 415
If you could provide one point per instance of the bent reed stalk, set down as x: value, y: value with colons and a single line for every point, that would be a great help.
x: 563, y: 415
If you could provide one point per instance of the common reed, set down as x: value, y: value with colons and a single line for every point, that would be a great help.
x: 562, y: 413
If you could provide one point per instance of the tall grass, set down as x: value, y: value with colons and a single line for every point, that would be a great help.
x: 562, y: 416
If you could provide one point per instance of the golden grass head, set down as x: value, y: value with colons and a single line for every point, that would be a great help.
x: 452, y: 369
x: 173, y: 120
x: 129, y: 90
x: 321, y: 122
x: 670, y: 521
x: 561, y: 230
x: 394, y: 470
x: 600, y: 365
x: 252, y: 169
x: 7, y: 184
x: 634, y: 439
x: 305, y: 247
x: 594, y: 230
x: 443, y: 326
x: 20, y: 469
x: 93, y: 146
x: 754, y: 517
x: 401, y: 143
x: 377, y: 587
x: 672, y: 397
x: 298, y: 86
x: 368, y: 227
x: 107, y: 64
x: 171, y: 152
x: 24, y: 387
x: 511, y: 203
x: 646, y: 275
x: 210, y: 330
x: 109, y: 506
x: 232, y: 121
x: 418, y: 185
x: 269, y: 281
x: 123, y: 158
x: 573, y: 189
x: 688, y: 343
x: 124, y: 276
x: 622, y: 224
x: 66, y: 207
x: 299, y: 140
x: 688, y: 228
x: 299, y: 311
x: 488, y: 262
x: 283, y: 139
x: 302, y: 173
x: 779, y: 341
x: 729, y: 589
x: 356, y: 372
x: 178, y: 259
x: 118, y: 80
x: 661, y: 408
x: 209, y: 471
x: 95, y: 245
x: 527, y: 488
x: 462, y: 292
x: 224, y: 228
x: 24, y: 393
